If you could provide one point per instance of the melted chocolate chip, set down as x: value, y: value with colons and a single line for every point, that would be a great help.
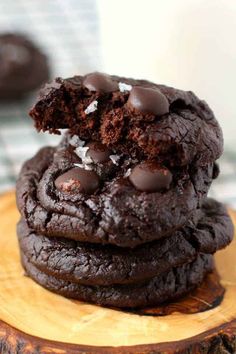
x: 150, y: 177
x: 98, y: 152
x: 148, y: 100
x: 100, y: 82
x: 78, y: 180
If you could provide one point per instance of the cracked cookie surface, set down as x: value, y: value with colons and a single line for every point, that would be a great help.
x: 117, y: 213
x: 185, y: 132
x: 106, y: 265
x: 165, y: 287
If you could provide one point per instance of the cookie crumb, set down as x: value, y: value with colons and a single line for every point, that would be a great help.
x: 92, y: 107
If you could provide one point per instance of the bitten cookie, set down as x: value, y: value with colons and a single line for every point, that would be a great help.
x: 138, y: 116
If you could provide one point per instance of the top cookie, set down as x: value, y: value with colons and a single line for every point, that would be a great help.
x: 135, y: 116
x: 23, y: 67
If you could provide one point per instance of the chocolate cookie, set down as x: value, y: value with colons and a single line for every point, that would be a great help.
x: 165, y: 287
x: 23, y: 67
x: 53, y: 196
x: 104, y: 265
x: 136, y: 116
x: 117, y: 213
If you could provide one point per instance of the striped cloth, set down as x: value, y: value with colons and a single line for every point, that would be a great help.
x: 68, y: 33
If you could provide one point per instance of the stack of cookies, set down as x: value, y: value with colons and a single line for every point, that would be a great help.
x: 117, y: 214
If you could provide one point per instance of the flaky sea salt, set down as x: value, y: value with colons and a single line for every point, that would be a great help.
x: 115, y: 159
x: 92, y: 107
x: 124, y: 87
x: 76, y: 141
x: 82, y: 153
x: 84, y: 166
x: 127, y: 173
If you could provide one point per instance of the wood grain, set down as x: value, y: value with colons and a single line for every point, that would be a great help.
x: 206, y: 297
x: 33, y: 320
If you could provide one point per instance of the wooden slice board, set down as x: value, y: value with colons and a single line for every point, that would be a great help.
x: 34, y: 320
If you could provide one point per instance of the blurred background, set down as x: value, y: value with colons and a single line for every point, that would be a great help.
x: 184, y: 43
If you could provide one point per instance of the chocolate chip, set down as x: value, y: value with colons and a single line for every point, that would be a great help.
x: 100, y: 82
x: 78, y: 180
x: 98, y: 152
x: 148, y: 100
x: 150, y: 177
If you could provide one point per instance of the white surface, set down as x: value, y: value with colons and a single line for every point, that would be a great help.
x: 189, y: 44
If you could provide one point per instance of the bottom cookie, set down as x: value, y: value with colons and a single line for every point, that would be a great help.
x: 165, y: 287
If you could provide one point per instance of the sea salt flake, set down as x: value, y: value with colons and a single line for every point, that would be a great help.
x: 127, y: 173
x: 115, y: 159
x: 81, y: 152
x: 76, y: 141
x: 88, y: 167
x: 84, y: 166
x: 86, y: 160
x: 124, y: 87
x: 92, y: 107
